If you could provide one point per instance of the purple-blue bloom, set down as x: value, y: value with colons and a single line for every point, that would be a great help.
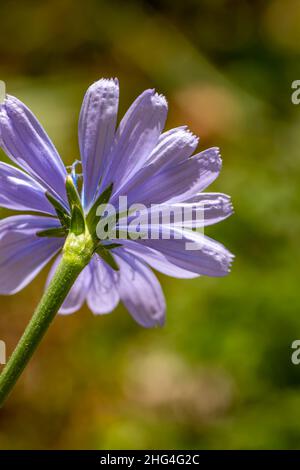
x: 141, y: 161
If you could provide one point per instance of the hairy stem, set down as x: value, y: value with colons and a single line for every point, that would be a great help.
x: 60, y: 285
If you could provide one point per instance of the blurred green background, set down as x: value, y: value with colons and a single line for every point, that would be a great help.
x: 219, y: 374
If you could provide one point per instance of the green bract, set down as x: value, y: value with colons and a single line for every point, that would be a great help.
x: 79, y: 228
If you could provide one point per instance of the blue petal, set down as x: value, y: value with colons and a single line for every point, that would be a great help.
x: 179, y: 182
x: 27, y: 144
x: 200, y: 211
x: 173, y: 147
x: 213, y: 208
x: 97, y: 124
x: 136, y: 137
x: 20, y: 191
x: 191, y: 251
x: 22, y: 253
x: 210, y: 259
x: 140, y: 291
x: 103, y: 295
x: 156, y: 260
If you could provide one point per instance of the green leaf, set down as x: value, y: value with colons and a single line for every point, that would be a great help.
x: 107, y: 257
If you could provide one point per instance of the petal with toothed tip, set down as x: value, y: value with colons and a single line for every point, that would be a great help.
x: 136, y: 137
x: 189, y: 250
x: 97, y: 123
x: 173, y: 147
x: 179, y: 182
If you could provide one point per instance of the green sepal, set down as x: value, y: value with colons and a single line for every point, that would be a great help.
x: 53, y: 233
x: 77, y: 225
x: 107, y: 257
x: 77, y: 221
x: 102, y: 199
x: 72, y: 193
x: 111, y: 246
x: 61, y: 212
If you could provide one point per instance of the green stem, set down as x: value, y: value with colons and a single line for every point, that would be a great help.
x: 60, y: 285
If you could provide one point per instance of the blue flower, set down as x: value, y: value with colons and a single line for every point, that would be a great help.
x: 134, y: 159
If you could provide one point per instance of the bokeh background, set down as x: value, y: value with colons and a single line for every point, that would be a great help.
x: 219, y: 374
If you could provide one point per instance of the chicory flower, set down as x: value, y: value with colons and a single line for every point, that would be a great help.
x: 136, y: 159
